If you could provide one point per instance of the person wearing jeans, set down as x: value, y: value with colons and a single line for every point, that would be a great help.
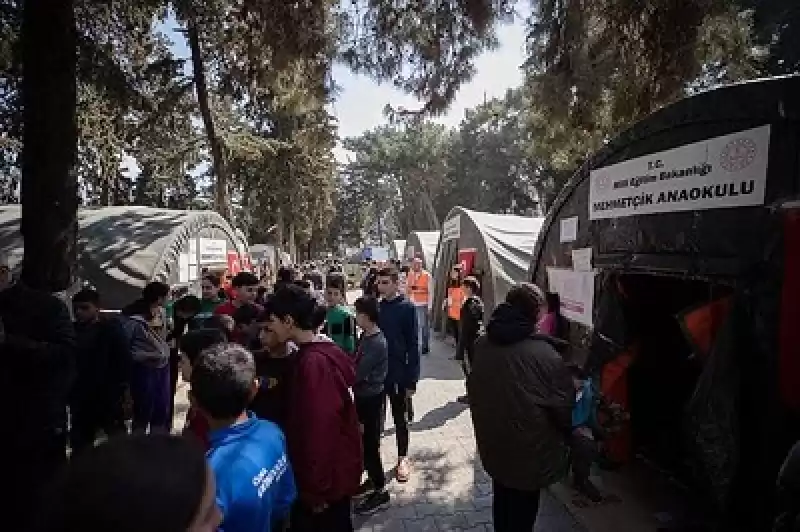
x: 145, y: 324
x: 419, y: 292
x: 372, y: 364
x: 398, y: 321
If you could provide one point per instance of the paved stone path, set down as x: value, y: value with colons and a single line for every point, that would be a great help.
x: 448, y: 490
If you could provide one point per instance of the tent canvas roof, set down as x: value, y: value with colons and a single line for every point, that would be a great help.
x: 424, y: 242
x: 123, y: 248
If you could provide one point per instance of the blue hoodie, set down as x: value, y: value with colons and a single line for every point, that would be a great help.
x: 398, y: 321
x: 255, y: 484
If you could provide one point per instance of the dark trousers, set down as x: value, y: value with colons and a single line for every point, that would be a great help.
x: 399, y: 405
x: 514, y: 510
x: 89, y: 418
x: 34, y: 461
x: 370, y: 410
x: 335, y: 518
x: 584, y: 453
x: 151, y: 397
x: 453, y: 326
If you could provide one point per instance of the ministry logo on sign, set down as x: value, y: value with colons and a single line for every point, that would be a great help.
x: 738, y: 154
x: 602, y: 183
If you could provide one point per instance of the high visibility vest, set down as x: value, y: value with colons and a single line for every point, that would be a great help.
x: 455, y: 300
x: 418, y: 287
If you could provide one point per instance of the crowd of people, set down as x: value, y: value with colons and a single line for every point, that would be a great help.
x: 288, y: 398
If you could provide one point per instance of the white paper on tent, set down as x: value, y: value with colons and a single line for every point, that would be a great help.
x: 576, y: 290
x: 569, y: 230
x: 451, y: 229
x: 582, y: 259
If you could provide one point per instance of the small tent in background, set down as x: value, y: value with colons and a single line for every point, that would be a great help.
x: 397, y: 250
x: 121, y: 249
x: 495, y: 248
x: 676, y: 252
x: 422, y: 244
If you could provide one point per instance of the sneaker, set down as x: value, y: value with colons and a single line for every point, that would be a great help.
x: 403, y: 470
x: 375, y: 502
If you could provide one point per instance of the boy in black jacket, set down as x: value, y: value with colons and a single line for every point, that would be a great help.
x: 103, y: 360
x: 471, y: 326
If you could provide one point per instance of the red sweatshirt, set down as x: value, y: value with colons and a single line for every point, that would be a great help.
x: 322, y: 430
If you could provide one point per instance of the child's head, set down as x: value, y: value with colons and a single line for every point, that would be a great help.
x: 335, y: 291
x: 471, y: 286
x: 291, y: 310
x: 579, y: 375
x: 366, y: 312
x: 223, y: 382
x: 221, y: 322
x: 187, y: 306
x: 135, y: 483
x: 245, y: 287
x: 305, y: 284
x: 210, y: 287
x: 193, y: 343
x: 86, y: 305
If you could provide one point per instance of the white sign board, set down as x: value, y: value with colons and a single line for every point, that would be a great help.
x: 451, y: 229
x: 576, y: 290
x: 213, y: 251
x: 727, y: 171
x: 569, y: 230
x: 582, y: 259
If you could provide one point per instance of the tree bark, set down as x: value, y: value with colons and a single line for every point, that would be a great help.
x: 222, y: 202
x: 279, y: 240
x: 49, y: 182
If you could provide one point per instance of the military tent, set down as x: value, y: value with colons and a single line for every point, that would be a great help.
x: 422, y: 244
x: 500, y: 247
x: 397, y: 250
x: 120, y: 249
x: 677, y: 248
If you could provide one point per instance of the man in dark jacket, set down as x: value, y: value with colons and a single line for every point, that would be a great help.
x: 321, y: 427
x: 37, y: 343
x: 471, y: 325
x: 103, y: 366
x: 398, y: 321
x: 521, y: 397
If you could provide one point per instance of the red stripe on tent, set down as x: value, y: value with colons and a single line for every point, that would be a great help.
x: 789, y: 374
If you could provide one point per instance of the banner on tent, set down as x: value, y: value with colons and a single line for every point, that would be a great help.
x: 466, y: 258
x: 727, y: 171
x: 576, y: 290
x: 451, y: 229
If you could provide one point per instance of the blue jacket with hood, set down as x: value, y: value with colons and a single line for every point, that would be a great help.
x: 398, y: 321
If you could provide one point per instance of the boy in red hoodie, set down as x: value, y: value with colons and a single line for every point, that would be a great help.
x: 322, y: 431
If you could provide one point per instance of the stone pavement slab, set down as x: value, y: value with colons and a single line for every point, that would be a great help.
x: 448, y: 489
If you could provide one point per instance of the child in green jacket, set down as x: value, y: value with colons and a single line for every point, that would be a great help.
x: 340, y: 324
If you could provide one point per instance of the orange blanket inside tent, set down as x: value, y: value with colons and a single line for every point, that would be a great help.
x: 701, y: 324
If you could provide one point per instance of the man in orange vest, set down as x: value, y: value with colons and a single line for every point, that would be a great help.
x: 419, y: 292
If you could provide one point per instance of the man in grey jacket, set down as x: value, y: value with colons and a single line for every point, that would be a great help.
x: 372, y: 364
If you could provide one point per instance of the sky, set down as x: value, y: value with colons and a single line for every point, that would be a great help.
x: 360, y: 101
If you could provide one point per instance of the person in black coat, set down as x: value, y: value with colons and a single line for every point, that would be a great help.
x: 471, y: 325
x: 37, y: 343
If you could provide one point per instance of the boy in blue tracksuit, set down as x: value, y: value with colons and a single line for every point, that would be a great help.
x: 398, y: 321
x: 254, y: 482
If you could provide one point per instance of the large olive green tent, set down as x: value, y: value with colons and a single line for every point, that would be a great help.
x: 120, y: 249
x: 503, y: 247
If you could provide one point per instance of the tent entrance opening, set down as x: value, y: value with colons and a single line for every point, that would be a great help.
x: 666, y: 366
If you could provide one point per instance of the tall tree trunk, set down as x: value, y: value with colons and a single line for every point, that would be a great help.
x: 49, y: 181
x: 279, y: 239
x: 429, y: 212
x: 221, y: 200
x: 292, y: 244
